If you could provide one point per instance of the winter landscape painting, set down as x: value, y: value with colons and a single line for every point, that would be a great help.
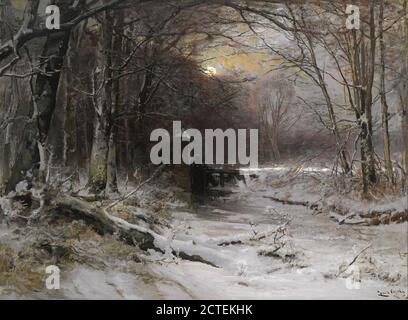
x: 203, y: 149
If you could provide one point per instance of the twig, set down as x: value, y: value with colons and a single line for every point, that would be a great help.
x: 359, y: 254
x: 158, y: 170
x: 355, y: 259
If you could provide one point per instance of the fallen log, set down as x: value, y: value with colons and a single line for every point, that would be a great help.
x: 103, y: 222
x: 132, y: 234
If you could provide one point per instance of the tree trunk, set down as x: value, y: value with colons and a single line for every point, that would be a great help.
x: 365, y: 66
x: 141, y: 150
x: 11, y: 98
x: 98, y: 168
x: 33, y: 148
x: 384, y: 104
x: 46, y: 88
x: 403, y: 89
x: 5, y: 161
x: 70, y: 156
x: 33, y: 154
x: 274, y: 141
x: 112, y: 185
x: 369, y: 96
x: 99, y: 153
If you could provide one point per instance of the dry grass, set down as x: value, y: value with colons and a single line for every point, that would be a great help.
x: 18, y: 271
x: 63, y: 244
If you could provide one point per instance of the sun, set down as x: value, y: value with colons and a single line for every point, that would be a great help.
x: 211, y: 71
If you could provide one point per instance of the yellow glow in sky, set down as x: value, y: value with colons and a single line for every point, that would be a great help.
x: 211, y: 71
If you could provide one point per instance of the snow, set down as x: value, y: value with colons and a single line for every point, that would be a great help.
x: 322, y: 250
x: 312, y: 264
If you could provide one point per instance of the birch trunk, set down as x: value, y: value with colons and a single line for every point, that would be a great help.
x: 98, y: 167
x: 103, y: 164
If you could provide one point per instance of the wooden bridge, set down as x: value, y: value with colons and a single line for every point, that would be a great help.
x: 203, y: 176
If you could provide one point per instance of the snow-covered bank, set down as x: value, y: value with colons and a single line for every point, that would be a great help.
x: 339, y: 197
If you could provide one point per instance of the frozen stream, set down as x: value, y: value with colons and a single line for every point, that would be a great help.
x: 316, y: 248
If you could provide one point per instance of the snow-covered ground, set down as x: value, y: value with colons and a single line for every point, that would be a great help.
x: 270, y: 251
x: 311, y: 265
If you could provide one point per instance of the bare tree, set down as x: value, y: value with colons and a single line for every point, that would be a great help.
x: 273, y: 102
x: 44, y: 90
x: 45, y: 76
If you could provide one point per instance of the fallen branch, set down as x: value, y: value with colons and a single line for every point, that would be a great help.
x: 132, y: 234
x: 373, y: 217
x: 260, y: 236
x: 359, y: 254
x: 103, y: 222
x: 354, y: 260
x: 289, y: 202
x: 115, y: 203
